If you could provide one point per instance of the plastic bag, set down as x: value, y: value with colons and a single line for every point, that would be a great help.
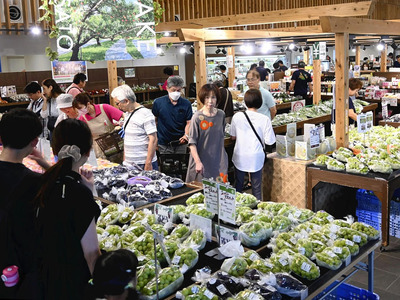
x: 317, y: 245
x: 288, y: 285
x: 342, y: 252
x: 268, y: 292
x: 306, y: 227
x: 248, y: 294
x: 232, y: 283
x: 181, y: 232
x: 328, y: 259
x: 262, y: 265
x: 196, y: 240
x: 234, y: 266
x: 244, y: 215
x: 231, y: 249
x: 353, y: 247
x: 195, y: 199
x: 185, y: 258
x: 246, y: 200
x: 144, y: 275
x: 281, y: 224
x: 218, y: 287
x: 303, y: 267
x: 170, y: 279
x: 301, y: 215
x: 280, y: 262
x: 304, y: 247
x: 252, y: 233
x: 370, y: 231
x: 353, y: 235
x: 251, y: 256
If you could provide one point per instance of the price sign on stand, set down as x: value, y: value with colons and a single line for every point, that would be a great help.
x: 321, y: 129
x: 227, y: 203
x: 210, y: 189
x: 361, y: 123
x: 297, y: 105
x: 370, y: 120
x: 385, y: 113
x: 205, y: 224
x: 226, y: 234
x: 163, y: 213
x: 314, y: 138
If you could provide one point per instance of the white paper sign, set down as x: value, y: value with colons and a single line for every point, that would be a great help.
x: 384, y: 111
x: 229, y: 61
x: 205, y: 224
x: 321, y: 129
x: 356, y: 71
x: 226, y: 234
x: 210, y: 189
x: 322, y: 50
x: 393, y: 101
x: 314, y: 138
x: 370, y: 120
x: 163, y: 213
x: 361, y: 123
x: 227, y: 203
x: 297, y: 105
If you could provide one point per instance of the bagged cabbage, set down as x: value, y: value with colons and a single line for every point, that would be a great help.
x: 246, y: 200
x: 353, y: 235
x: 393, y: 162
x: 252, y: 233
x: 288, y: 285
x: 303, y: 267
x: 235, y: 266
x: 281, y: 223
x: 196, y: 240
x: 353, y: 247
x: 185, y: 258
x: 170, y: 279
x: 250, y: 256
x: 195, y: 199
x: 353, y: 165
x: 380, y: 167
x: 370, y: 231
x: 180, y: 232
x: 342, y: 154
x: 328, y: 259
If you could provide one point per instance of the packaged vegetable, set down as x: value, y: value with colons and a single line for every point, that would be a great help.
x: 234, y: 266
x: 303, y: 267
x: 246, y: 200
x: 218, y: 287
x: 353, y: 235
x: 328, y: 259
x: 280, y: 262
x: 252, y: 233
x: 262, y: 265
x: 244, y: 215
x: 288, y: 285
x: 370, y: 231
x: 335, y: 165
x: 196, y: 240
x: 281, y: 223
x: 170, y: 279
x: 181, y: 232
x: 185, y: 258
x: 322, y: 160
x: 353, y: 247
x: 250, y: 256
x: 195, y: 199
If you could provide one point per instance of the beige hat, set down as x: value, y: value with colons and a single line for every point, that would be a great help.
x: 64, y: 101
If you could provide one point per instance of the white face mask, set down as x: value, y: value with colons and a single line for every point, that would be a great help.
x: 365, y: 68
x: 174, y: 95
x: 83, y: 111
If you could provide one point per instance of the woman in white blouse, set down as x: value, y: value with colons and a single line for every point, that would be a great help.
x: 51, y: 90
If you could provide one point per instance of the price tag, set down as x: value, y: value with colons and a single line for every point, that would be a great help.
x: 334, y: 228
x: 330, y: 253
x: 226, y: 234
x: 314, y: 138
x: 184, y: 268
x: 176, y: 259
x: 195, y: 289
x: 254, y: 257
x: 302, y: 250
x: 205, y: 224
x: 306, y: 267
x: 163, y: 213
x: 337, y: 250
x: 211, y: 195
x: 293, y: 240
x: 356, y: 238
x: 349, y: 243
x: 297, y: 213
x: 208, y: 294
x: 393, y: 101
x: 370, y: 120
x: 330, y: 218
x: 361, y: 123
x: 269, y: 265
x: 227, y: 203
x: 283, y: 261
x: 222, y: 289
x: 384, y: 111
x: 253, y: 296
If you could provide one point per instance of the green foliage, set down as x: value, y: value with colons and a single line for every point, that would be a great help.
x: 93, y: 52
x: 158, y: 12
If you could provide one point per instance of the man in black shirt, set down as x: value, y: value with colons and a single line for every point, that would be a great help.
x: 263, y: 71
x: 282, y: 66
x: 19, y: 131
x: 300, y: 81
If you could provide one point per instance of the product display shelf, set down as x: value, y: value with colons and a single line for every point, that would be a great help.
x: 15, y: 104
x: 281, y: 106
x: 393, y: 124
x: 383, y: 186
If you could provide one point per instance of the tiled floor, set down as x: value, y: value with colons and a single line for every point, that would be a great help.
x: 387, y: 272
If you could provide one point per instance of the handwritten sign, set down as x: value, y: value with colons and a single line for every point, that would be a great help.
x: 227, y: 204
x: 226, y: 234
x: 210, y: 189
x: 205, y: 224
x: 163, y: 213
x: 297, y: 105
x: 314, y: 138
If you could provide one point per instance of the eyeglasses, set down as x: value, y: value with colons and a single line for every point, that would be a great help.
x: 252, y: 79
x: 119, y: 102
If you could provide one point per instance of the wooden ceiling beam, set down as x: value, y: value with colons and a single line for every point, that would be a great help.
x: 359, y: 26
x: 360, y: 8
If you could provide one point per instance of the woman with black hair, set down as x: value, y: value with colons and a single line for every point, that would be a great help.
x: 66, y: 215
x: 114, y: 276
x: 169, y: 72
x: 51, y: 90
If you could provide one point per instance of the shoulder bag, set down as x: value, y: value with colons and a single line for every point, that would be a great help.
x: 258, y: 137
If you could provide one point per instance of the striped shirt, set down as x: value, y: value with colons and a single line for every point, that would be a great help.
x: 136, y: 140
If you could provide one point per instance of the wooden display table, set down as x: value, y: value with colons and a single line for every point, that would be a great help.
x: 284, y: 180
x: 393, y: 124
x: 383, y: 185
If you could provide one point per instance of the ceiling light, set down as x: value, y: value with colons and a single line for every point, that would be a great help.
x: 217, y: 51
x: 300, y: 50
x: 191, y: 49
x: 224, y: 51
x: 291, y: 46
x: 159, y: 50
x: 167, y: 33
x: 247, y: 48
x: 36, y: 30
x: 242, y: 47
x: 265, y: 47
x: 182, y: 50
x: 380, y: 46
x: 364, y: 48
x: 353, y: 50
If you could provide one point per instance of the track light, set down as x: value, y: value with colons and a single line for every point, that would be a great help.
x: 159, y: 50
x: 306, y: 48
x: 364, y: 48
x: 265, y: 47
x: 380, y: 46
x: 282, y: 50
x: 300, y: 50
x: 191, y: 49
x: 182, y: 50
x: 223, y: 51
x: 217, y: 51
x: 393, y: 45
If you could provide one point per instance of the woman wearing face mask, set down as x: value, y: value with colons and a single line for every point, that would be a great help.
x: 66, y: 215
x: 99, y: 117
x: 206, y: 138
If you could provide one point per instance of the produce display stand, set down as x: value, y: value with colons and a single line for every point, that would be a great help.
x: 6, y: 106
x: 282, y: 106
x: 383, y: 185
x: 393, y: 124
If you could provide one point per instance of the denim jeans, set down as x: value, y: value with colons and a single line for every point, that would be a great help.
x: 154, y: 165
x: 256, y: 182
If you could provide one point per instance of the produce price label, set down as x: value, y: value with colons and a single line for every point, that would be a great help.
x: 208, y: 294
x: 176, y: 259
x: 211, y: 195
x: 306, y: 267
x: 297, y: 105
x: 337, y: 250
x: 226, y: 235
x: 361, y: 123
x: 227, y: 204
x: 314, y: 138
x: 222, y: 289
x: 370, y: 117
x: 163, y: 213
x: 356, y: 238
x: 205, y: 224
x: 384, y: 111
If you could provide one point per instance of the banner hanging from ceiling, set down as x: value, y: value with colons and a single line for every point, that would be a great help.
x: 96, y: 30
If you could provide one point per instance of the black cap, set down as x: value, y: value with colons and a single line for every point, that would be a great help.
x: 302, y: 64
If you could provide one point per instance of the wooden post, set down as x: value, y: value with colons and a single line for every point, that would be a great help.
x: 358, y: 55
x: 112, y: 78
x: 200, y: 67
x: 384, y: 59
x: 316, y: 81
x: 306, y: 56
x: 231, y: 71
x: 342, y: 89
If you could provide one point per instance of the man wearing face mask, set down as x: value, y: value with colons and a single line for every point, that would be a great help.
x: 173, y: 114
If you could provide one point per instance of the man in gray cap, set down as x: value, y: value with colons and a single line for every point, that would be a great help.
x: 173, y: 114
x: 64, y: 104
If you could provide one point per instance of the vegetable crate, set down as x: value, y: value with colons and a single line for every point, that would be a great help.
x: 369, y: 202
x: 348, y: 292
x: 374, y: 219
